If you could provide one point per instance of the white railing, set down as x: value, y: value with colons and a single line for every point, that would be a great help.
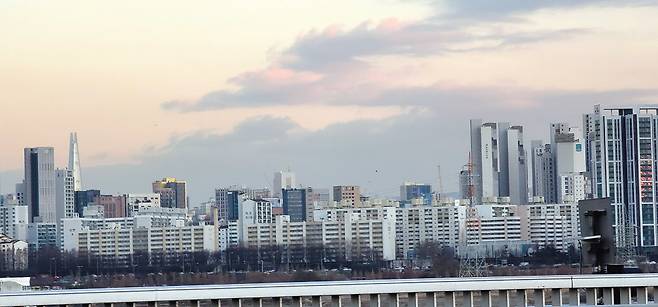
x: 567, y: 290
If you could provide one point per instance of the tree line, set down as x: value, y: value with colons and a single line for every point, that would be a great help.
x: 441, y: 260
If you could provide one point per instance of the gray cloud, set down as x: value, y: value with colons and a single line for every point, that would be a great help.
x: 329, y: 67
x: 377, y: 154
x: 503, y: 9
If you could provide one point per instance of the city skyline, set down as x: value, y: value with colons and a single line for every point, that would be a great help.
x: 392, y: 191
x: 73, y: 155
x: 342, y: 152
x: 219, y: 102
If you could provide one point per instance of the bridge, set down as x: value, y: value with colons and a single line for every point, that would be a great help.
x: 566, y: 290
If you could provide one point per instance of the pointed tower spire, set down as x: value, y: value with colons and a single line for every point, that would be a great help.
x: 74, y: 161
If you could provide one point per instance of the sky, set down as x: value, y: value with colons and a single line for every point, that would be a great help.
x: 371, y: 93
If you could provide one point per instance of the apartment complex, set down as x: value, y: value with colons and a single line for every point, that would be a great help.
x: 621, y: 153
x: 348, y: 239
x: 121, y: 244
x: 457, y: 226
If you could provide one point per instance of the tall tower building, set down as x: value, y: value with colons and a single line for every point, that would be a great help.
x: 517, y: 168
x: 40, y: 184
x: 64, y: 194
x: 498, y: 161
x: 74, y: 161
x: 476, y: 159
x: 569, y: 163
x: 537, y: 154
x: 173, y: 193
x: 283, y: 180
x: 621, y: 155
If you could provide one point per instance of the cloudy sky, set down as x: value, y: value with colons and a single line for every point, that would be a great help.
x: 354, y: 92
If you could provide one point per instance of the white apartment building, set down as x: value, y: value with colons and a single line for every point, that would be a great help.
x: 72, y: 227
x: 557, y: 225
x: 355, y: 238
x: 559, y: 167
x: 122, y: 243
x: 14, y: 220
x: 229, y: 235
x: 495, y: 225
x: 572, y: 188
x: 441, y: 224
x: 253, y: 212
x: 64, y: 194
x: 490, y: 223
x: 413, y: 225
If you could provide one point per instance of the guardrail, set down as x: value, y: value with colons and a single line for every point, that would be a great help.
x: 566, y: 290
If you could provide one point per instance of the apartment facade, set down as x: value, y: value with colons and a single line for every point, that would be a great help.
x: 621, y: 154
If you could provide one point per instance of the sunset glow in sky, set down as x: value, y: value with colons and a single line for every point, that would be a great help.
x: 227, y: 92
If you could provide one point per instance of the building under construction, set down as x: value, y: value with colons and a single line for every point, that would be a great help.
x: 467, y: 181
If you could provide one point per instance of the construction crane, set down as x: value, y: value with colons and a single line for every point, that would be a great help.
x: 467, y: 181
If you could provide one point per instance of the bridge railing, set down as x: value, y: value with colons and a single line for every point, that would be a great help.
x: 567, y: 290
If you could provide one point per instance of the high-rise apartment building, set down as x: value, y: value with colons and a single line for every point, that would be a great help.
x: 40, y: 192
x: 517, y: 168
x: 559, y: 167
x: 74, y: 161
x: 283, y: 180
x: 499, y: 167
x: 64, y: 194
x: 173, y: 193
x: 569, y: 153
x: 621, y: 154
x: 349, y: 194
x: 539, y: 153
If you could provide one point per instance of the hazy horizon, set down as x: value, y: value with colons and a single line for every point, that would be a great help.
x: 371, y: 93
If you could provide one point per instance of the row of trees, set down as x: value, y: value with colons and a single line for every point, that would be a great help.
x: 442, y: 260
x: 50, y: 260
